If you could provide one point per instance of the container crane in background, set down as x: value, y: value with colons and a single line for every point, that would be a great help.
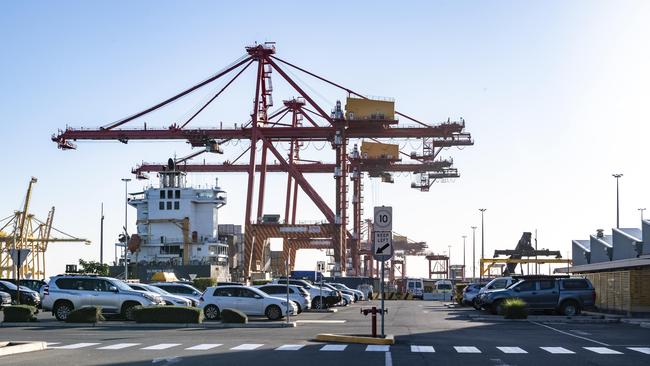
x: 22, y: 230
x: 364, y: 118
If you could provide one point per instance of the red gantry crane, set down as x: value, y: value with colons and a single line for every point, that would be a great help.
x: 363, y: 118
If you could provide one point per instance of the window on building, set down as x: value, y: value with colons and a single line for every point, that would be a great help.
x: 170, y: 194
x: 169, y: 205
x: 161, y: 205
x: 178, y: 194
x: 177, y: 205
x: 162, y: 194
x: 162, y: 240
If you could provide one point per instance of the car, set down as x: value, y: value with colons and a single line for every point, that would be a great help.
x: 344, y: 298
x: 320, y: 297
x: 297, y: 294
x: 64, y: 293
x: 34, y: 285
x: 5, y: 299
x: 470, y: 292
x: 495, y: 284
x: 180, y: 289
x: 248, y: 300
x: 358, y: 295
x: 168, y: 298
x: 27, y: 296
x: 568, y: 296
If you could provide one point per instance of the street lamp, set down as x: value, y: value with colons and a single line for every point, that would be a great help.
x: 641, y: 210
x: 473, y: 252
x: 449, y: 259
x: 464, y: 237
x: 126, y: 220
x: 482, y: 238
x: 618, y: 175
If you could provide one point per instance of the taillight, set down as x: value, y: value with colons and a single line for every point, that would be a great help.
x: 46, y: 290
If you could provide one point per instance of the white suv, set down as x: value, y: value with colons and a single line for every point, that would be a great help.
x: 248, y: 300
x: 65, y: 293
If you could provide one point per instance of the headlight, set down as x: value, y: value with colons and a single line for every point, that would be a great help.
x: 150, y: 298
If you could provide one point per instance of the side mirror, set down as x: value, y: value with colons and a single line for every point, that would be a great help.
x: 112, y: 289
x: 195, y: 293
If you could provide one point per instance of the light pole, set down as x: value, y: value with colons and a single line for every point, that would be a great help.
x: 482, y: 238
x: 474, y: 253
x: 618, y: 175
x: 126, y: 220
x: 101, y: 238
x: 464, y: 237
x: 641, y: 210
x: 449, y: 259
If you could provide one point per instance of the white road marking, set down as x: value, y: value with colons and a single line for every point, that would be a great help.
x: 581, y: 332
x: 120, y: 346
x: 334, y: 347
x: 321, y: 321
x: 203, y: 346
x: 463, y: 349
x: 569, y: 334
x: 428, y: 349
x: 511, y: 350
x: 290, y: 347
x: 52, y: 343
x: 161, y: 346
x: 76, y: 346
x: 645, y: 350
x: 603, y: 350
x: 557, y: 350
x: 377, y: 348
x: 389, y: 359
x: 247, y: 347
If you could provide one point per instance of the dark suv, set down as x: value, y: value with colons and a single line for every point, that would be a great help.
x: 568, y: 296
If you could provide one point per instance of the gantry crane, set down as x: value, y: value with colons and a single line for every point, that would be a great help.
x: 264, y: 127
x: 22, y: 230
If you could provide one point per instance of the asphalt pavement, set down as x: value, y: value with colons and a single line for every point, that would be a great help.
x: 426, y: 333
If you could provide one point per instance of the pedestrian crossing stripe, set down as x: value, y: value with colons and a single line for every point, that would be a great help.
x: 203, y: 347
x: 603, y: 350
x: 120, y: 346
x: 557, y: 350
x: 423, y: 349
x: 247, y: 347
x: 377, y: 348
x: 76, y: 346
x: 511, y: 350
x: 290, y: 347
x: 645, y: 350
x: 161, y: 346
x: 334, y: 347
x: 466, y: 349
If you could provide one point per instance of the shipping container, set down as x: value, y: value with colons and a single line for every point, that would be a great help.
x: 375, y: 150
x: 357, y: 109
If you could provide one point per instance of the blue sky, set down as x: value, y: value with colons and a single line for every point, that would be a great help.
x: 555, y: 94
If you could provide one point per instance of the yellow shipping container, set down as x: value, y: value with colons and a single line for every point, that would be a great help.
x: 369, y: 109
x: 375, y: 150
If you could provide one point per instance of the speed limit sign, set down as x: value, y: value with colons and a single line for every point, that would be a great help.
x: 383, y: 218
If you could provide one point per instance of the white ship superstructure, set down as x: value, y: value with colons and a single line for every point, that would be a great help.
x: 174, y: 218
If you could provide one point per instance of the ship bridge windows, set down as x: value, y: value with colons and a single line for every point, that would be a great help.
x: 170, y: 194
x: 177, y: 194
x: 176, y: 205
x: 162, y: 194
x: 161, y: 205
x: 169, y: 205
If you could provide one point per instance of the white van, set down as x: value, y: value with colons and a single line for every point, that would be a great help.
x: 415, y: 287
x: 444, y: 287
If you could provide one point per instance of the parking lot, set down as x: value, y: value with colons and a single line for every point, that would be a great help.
x: 426, y: 333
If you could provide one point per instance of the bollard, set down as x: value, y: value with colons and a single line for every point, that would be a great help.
x: 373, y: 312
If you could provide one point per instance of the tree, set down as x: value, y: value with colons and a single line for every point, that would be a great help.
x: 93, y: 267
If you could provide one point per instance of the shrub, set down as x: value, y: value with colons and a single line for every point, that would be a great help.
x: 167, y: 314
x: 20, y: 313
x: 86, y: 314
x: 233, y: 316
x: 515, y: 309
x: 202, y: 283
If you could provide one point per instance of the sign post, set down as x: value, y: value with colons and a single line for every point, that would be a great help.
x: 382, y: 246
x: 18, y: 256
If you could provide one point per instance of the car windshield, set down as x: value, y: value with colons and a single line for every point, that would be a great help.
x: 10, y: 285
x: 120, y: 285
x: 155, y: 289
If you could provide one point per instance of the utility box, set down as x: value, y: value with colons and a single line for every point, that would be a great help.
x: 357, y: 109
x: 376, y: 150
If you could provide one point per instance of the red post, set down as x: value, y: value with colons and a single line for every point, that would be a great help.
x: 374, y: 321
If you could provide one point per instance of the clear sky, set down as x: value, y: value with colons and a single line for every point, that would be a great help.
x: 555, y: 94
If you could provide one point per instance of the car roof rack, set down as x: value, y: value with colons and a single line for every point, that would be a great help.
x: 538, y: 277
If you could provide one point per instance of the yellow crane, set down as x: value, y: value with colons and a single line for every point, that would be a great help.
x: 22, y: 230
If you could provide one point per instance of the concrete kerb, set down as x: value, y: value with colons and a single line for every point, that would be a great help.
x: 10, y: 348
x: 149, y: 325
x: 545, y: 319
x: 344, y: 338
x: 321, y: 310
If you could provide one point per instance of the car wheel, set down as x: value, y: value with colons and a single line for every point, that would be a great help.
x: 273, y: 312
x: 62, y: 309
x: 344, y: 301
x: 318, y: 304
x: 211, y: 312
x: 496, y: 307
x: 475, y: 304
x: 299, y: 308
x: 127, y: 310
x: 570, y: 308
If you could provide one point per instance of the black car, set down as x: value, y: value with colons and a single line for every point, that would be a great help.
x: 34, y: 285
x: 27, y: 296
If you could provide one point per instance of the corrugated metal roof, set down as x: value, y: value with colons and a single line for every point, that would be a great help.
x: 584, y: 244
x: 605, y: 266
x: 631, y: 233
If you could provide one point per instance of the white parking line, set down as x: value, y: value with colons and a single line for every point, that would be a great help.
x: 645, y: 350
x: 428, y: 349
x: 321, y: 321
x: 161, y: 346
x: 120, y: 346
x: 203, y: 346
x: 511, y: 350
x: 76, y: 346
x: 557, y: 350
x: 377, y: 348
x: 52, y: 343
x: 290, y: 347
x: 463, y: 349
x: 334, y: 347
x: 603, y: 350
x: 247, y: 347
x: 569, y: 334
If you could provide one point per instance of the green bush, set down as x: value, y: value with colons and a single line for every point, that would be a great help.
x: 86, y: 314
x: 167, y: 314
x: 515, y: 309
x: 233, y: 316
x: 19, y: 313
x: 202, y: 283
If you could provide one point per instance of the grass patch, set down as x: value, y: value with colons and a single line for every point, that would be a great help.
x: 515, y: 309
x: 86, y: 314
x: 19, y: 313
x: 168, y: 314
x: 233, y: 316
